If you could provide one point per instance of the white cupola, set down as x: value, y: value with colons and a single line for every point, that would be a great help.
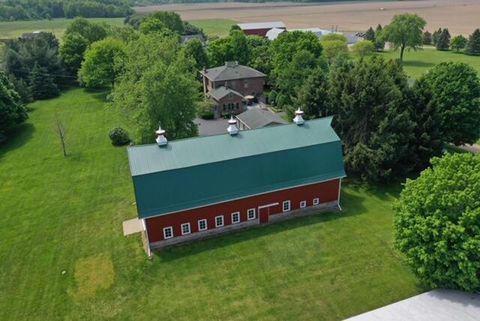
x: 299, y: 117
x: 161, y: 139
x: 232, y: 128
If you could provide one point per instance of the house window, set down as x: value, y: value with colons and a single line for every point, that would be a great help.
x: 316, y: 201
x: 303, y: 204
x: 185, y: 228
x: 219, y: 221
x: 235, y: 217
x: 251, y: 214
x: 168, y: 232
x: 224, y: 107
x: 286, y: 206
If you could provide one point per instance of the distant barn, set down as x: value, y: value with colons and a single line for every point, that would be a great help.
x: 261, y: 28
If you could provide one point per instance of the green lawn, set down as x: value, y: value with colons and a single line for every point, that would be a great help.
x: 66, y: 215
x: 57, y: 26
x: 214, y: 27
x: 418, y: 62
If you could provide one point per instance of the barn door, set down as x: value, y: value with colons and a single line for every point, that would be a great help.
x: 263, y: 214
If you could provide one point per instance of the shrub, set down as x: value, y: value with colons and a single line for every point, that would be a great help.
x: 119, y: 136
x: 363, y: 48
x: 205, y: 109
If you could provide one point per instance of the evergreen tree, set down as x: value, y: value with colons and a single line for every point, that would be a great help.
x: 427, y: 38
x: 370, y: 34
x: 311, y: 95
x: 379, y: 42
x: 42, y: 85
x: 443, y: 41
x: 375, y: 127
x: 473, y: 46
x: 12, y: 111
x: 435, y: 36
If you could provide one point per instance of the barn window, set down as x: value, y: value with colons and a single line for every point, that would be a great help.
x: 185, y: 228
x: 202, y: 225
x: 168, y: 232
x: 251, y: 214
x: 303, y: 204
x: 316, y: 201
x: 236, y: 217
x: 286, y: 206
x: 219, y: 221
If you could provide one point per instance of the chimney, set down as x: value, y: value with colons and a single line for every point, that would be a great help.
x: 161, y: 139
x: 299, y: 117
x: 232, y: 128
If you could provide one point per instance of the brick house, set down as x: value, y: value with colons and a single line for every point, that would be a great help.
x: 193, y: 188
x: 231, y: 86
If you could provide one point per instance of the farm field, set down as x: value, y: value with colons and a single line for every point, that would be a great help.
x: 15, y: 29
x: 63, y: 255
x: 214, y: 27
x: 460, y: 16
x: 418, y: 62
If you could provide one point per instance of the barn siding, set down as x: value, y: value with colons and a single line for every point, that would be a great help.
x: 326, y: 191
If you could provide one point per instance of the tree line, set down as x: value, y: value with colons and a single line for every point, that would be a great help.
x: 11, y: 10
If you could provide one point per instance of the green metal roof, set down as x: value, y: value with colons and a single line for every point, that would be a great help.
x: 200, y: 171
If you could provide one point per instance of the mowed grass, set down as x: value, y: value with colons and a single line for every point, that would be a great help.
x: 416, y: 63
x: 63, y: 255
x: 214, y: 27
x: 15, y: 29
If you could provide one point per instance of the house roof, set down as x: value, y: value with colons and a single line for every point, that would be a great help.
x: 261, y: 25
x: 202, y: 171
x: 231, y: 71
x: 255, y: 118
x: 273, y: 33
x: 220, y: 92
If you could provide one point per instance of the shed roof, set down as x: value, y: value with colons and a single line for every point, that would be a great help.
x: 255, y: 118
x: 231, y: 71
x: 197, y: 172
x: 220, y: 92
x: 261, y: 25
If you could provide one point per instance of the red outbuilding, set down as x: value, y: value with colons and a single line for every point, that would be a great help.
x: 192, y: 188
x: 260, y: 28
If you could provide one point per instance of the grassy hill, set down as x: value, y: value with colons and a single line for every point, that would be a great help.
x: 63, y: 255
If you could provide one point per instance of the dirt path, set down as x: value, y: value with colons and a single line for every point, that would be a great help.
x: 461, y: 16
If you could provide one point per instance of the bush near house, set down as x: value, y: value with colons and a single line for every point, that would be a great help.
x: 119, y: 136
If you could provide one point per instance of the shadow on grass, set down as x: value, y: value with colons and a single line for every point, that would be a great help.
x: 97, y: 94
x: 17, y: 137
x: 355, y: 207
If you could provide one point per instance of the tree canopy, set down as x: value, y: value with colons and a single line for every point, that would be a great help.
x: 12, y: 111
x: 455, y: 91
x: 437, y: 223
x: 458, y: 43
x: 473, y: 46
x: 405, y: 31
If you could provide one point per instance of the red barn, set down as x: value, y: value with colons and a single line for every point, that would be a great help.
x: 260, y: 28
x: 196, y: 187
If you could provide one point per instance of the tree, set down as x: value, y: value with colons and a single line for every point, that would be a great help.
x: 455, y: 90
x: 311, y: 94
x: 334, y: 48
x: 458, y: 43
x: 61, y: 132
x: 379, y: 42
x: 375, y: 127
x: 436, y: 223
x: 473, y: 46
x: 194, y: 49
x: 157, y: 86
x: 370, y: 35
x: 89, y: 30
x: 232, y: 48
x: 427, y: 38
x: 101, y: 64
x: 429, y: 139
x: 405, y: 31
x: 151, y: 24
x: 443, y: 41
x: 72, y: 50
x: 239, y: 47
x: 260, y: 57
x: 363, y: 48
x: 42, y: 85
x: 171, y: 20
x: 435, y: 36
x: 12, y: 111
